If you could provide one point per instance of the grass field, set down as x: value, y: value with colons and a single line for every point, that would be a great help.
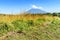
x: 29, y: 27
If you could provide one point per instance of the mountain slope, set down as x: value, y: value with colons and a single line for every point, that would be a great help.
x: 35, y: 10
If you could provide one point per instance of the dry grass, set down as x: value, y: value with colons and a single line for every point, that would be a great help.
x: 30, y: 27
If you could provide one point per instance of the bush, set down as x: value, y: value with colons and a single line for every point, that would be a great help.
x: 40, y: 21
x: 4, y: 28
x: 30, y: 23
x: 20, y: 25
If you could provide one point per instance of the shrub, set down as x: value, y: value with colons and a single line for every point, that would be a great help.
x: 19, y: 25
x: 4, y: 28
x: 30, y: 23
x: 40, y: 21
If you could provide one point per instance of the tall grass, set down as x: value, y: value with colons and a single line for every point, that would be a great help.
x: 37, y: 28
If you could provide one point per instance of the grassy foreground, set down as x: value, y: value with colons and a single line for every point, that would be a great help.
x: 29, y: 27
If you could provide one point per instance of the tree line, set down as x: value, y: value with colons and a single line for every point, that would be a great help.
x: 53, y: 14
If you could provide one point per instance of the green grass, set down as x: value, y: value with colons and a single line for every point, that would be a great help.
x: 39, y: 29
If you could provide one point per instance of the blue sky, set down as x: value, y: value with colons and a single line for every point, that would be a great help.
x: 17, y: 6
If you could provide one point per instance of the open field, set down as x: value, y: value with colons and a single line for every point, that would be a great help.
x: 29, y: 27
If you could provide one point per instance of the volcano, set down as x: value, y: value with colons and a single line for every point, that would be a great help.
x: 36, y: 10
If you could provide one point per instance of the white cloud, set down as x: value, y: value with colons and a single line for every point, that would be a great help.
x: 38, y: 7
x: 34, y: 6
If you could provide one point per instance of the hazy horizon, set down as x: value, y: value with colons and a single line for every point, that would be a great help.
x: 17, y: 6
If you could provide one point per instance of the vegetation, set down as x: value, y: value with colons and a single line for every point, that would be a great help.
x: 54, y: 14
x: 29, y: 27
